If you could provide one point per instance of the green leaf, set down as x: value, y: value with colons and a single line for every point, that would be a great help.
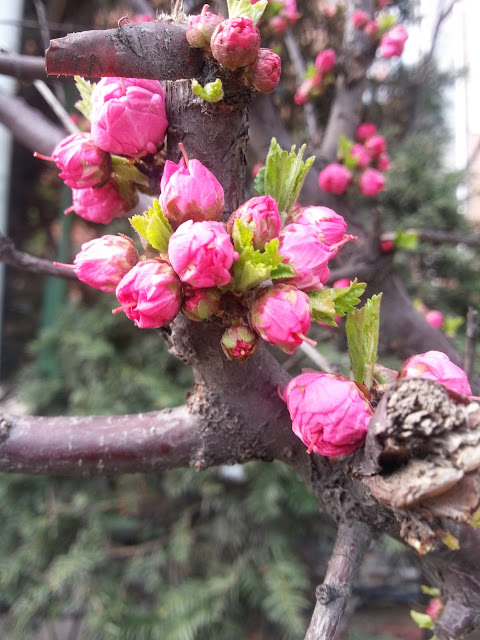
x: 386, y: 22
x: 282, y: 271
x: 126, y: 171
x: 452, y: 324
x: 430, y: 591
x: 422, y: 620
x: 328, y: 303
x: 284, y: 176
x: 211, y: 92
x: 406, y: 240
x: 259, y: 182
x: 85, y: 89
x: 253, y: 267
x: 244, y: 9
x: 362, y: 328
x: 311, y: 71
x: 344, y: 147
x: 154, y: 227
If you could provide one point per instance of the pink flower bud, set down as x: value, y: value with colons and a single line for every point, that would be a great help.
x: 103, y: 204
x: 200, y: 28
x: 435, y: 318
x: 359, y: 152
x: 289, y: 11
x: 329, y: 413
x: 335, y: 178
x: 325, y: 61
x: 202, y: 253
x: 371, y: 182
x: 360, y: 19
x: 81, y: 162
x: 239, y: 341
x: 340, y: 284
x: 190, y: 193
x: 330, y: 226
x: 376, y: 145
x: 265, y: 71
x: 104, y: 261
x: 386, y: 246
x: 150, y: 294
x: 128, y: 116
x: 235, y: 43
x: 372, y: 30
x: 383, y: 162
x: 281, y: 315
x: 435, y: 608
x: 435, y: 365
x: 303, y: 250
x: 200, y: 304
x: 302, y: 94
x: 365, y: 131
x: 278, y: 25
x: 393, y: 42
x: 261, y: 216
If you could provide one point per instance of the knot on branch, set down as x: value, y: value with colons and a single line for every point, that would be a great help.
x: 325, y: 593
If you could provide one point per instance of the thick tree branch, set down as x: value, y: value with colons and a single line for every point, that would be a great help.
x: 332, y: 596
x: 22, y: 67
x: 27, y: 262
x: 28, y: 125
x: 156, y: 50
x: 101, y: 445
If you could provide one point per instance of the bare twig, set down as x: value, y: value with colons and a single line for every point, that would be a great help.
x: 440, y: 237
x: 442, y: 16
x: 300, y: 68
x: 352, y: 542
x: 27, y: 262
x: 56, y: 106
x: 316, y: 357
x: 100, y: 445
x: 22, y: 67
x: 470, y: 342
x: 43, y: 22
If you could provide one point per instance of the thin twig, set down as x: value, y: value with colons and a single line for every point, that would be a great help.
x: 27, y: 262
x: 42, y: 22
x: 352, y: 542
x: 300, y: 67
x: 441, y: 18
x: 56, y: 106
x: 316, y: 357
x: 440, y: 237
x: 470, y: 342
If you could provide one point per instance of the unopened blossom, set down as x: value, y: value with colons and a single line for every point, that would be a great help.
x: 289, y: 11
x: 435, y: 608
x: 360, y: 19
x: 150, y: 294
x: 303, y: 92
x: 325, y: 61
x: 128, y: 116
x: 104, y: 261
x: 383, y: 162
x: 387, y: 246
x: 278, y: 25
x: 376, y: 145
x: 435, y: 318
x: 103, y: 204
x: 329, y: 413
x: 365, y: 131
x: 200, y: 304
x: 202, y: 253
x: 190, y: 192
x: 303, y: 250
x: 82, y: 164
x: 260, y: 215
x: 264, y: 72
x: 372, y: 30
x: 362, y: 156
x: 200, y: 28
x: 239, y: 342
x: 235, y: 43
x: 371, y: 182
x: 327, y: 224
x: 393, y: 42
x: 435, y: 365
x: 281, y: 315
x: 335, y: 178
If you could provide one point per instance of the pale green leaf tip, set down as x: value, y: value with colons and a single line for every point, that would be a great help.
x: 211, y: 92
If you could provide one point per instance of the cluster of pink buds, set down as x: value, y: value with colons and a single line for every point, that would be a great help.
x: 235, y: 45
x: 206, y: 268
x: 279, y: 15
x: 318, y: 78
x: 391, y: 40
x: 364, y: 163
x: 128, y: 122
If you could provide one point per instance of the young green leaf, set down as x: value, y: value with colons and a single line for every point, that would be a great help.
x: 211, y: 92
x: 406, y: 240
x: 422, y: 620
x: 85, y: 89
x: 154, y: 227
x: 362, y: 328
x: 245, y: 9
x: 284, y: 176
x: 259, y: 182
x: 329, y: 303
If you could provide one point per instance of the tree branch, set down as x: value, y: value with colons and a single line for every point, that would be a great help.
x: 27, y: 262
x: 100, y: 445
x: 22, y: 67
x: 332, y: 596
x: 157, y: 50
x: 28, y: 125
